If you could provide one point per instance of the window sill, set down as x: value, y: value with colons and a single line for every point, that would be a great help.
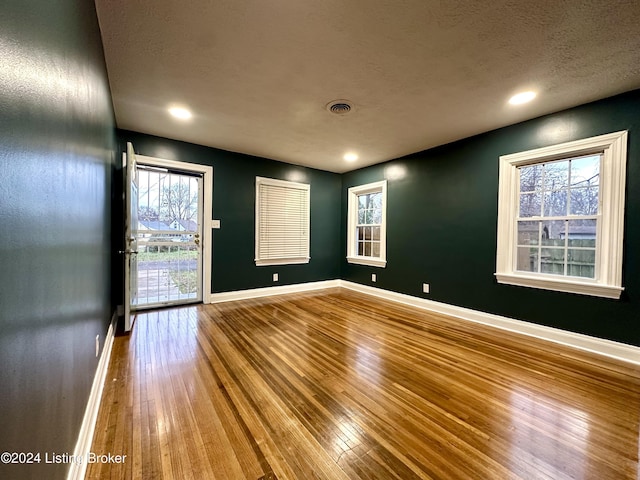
x: 370, y: 261
x: 282, y: 261
x: 561, y: 285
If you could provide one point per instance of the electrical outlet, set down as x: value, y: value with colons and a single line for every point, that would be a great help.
x: 97, y: 345
x: 275, y: 277
x: 425, y: 288
x: 373, y: 277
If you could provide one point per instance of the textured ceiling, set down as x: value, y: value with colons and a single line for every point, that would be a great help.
x: 257, y: 74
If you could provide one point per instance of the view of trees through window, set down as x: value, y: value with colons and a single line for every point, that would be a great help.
x: 369, y: 222
x: 558, y: 217
x: 167, y: 241
x: 167, y: 197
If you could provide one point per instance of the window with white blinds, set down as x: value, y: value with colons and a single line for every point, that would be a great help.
x: 282, y: 222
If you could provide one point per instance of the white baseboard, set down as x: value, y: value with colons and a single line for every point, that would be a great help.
x: 269, y: 291
x: 77, y: 470
x: 607, y: 348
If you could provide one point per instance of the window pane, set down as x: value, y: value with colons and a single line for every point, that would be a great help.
x: 375, y: 200
x: 375, y: 232
x: 367, y: 233
x: 531, y: 178
x: 367, y: 249
x: 527, y: 259
x: 554, y: 233
x: 360, y: 233
x: 555, y: 203
x: 360, y: 248
x: 376, y: 216
x: 552, y: 261
x: 556, y: 175
x: 530, y: 204
x: 582, y: 233
x: 528, y: 233
x: 584, y: 201
x: 376, y: 249
x: 582, y: 263
x: 370, y: 208
x: 585, y: 172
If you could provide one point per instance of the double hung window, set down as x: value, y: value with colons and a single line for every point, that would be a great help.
x: 557, y: 221
x: 561, y: 215
x: 366, y: 223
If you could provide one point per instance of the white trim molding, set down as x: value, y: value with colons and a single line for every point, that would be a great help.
x: 370, y: 261
x: 352, y: 222
x: 269, y: 291
x: 609, y: 245
x: 77, y: 470
x: 560, y: 285
x: 608, y: 348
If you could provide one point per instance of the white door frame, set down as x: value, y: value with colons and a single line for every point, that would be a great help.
x: 207, y: 214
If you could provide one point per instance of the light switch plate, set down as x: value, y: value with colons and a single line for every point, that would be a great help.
x: 215, y: 223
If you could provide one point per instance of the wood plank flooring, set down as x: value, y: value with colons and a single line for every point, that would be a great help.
x: 339, y: 385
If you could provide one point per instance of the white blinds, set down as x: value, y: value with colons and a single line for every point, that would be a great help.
x: 282, y: 222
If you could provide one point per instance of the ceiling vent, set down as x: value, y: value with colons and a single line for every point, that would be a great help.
x: 339, y: 107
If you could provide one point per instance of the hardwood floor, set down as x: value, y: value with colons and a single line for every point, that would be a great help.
x: 339, y: 385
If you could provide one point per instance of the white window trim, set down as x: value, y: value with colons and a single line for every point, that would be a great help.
x: 608, y: 281
x: 352, y: 218
x: 285, y: 184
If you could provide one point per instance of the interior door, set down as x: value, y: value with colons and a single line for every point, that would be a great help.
x: 130, y: 235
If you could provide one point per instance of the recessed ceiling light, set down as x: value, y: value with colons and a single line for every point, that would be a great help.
x: 522, y: 97
x: 350, y: 157
x: 181, y: 113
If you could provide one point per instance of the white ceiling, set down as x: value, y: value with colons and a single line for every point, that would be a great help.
x: 257, y: 74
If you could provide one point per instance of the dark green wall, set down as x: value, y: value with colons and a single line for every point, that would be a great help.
x: 56, y: 162
x: 234, y: 177
x: 442, y: 221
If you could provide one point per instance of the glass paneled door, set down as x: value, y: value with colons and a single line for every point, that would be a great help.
x: 169, y: 234
x: 130, y: 239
